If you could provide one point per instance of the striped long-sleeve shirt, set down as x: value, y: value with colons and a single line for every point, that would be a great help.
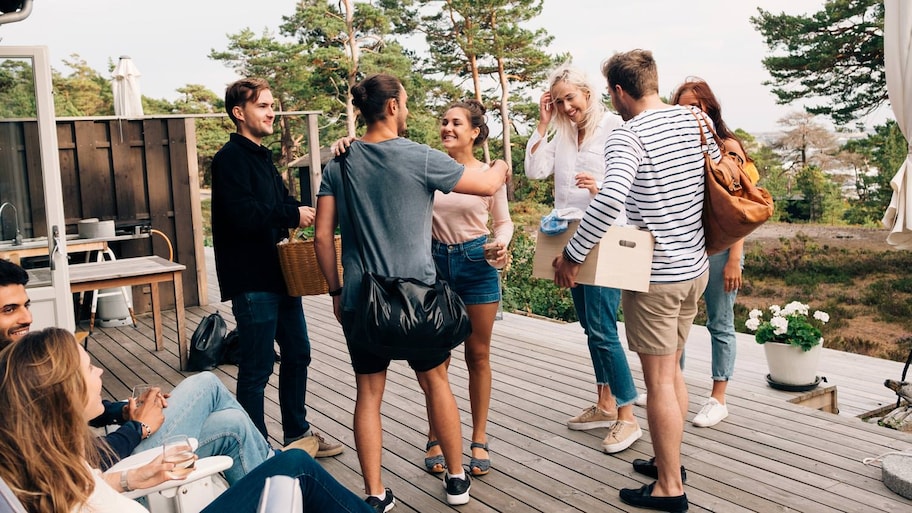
x: 654, y: 173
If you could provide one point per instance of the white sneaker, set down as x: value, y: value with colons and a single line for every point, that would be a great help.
x: 711, y: 413
x: 621, y: 436
x: 640, y: 400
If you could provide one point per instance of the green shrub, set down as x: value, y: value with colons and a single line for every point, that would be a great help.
x: 523, y: 293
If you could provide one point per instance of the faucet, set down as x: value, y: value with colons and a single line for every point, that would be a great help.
x: 17, y: 240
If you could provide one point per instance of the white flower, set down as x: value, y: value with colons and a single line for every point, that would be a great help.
x: 775, y: 309
x: 780, y: 325
x: 755, y: 314
x: 795, y: 307
x: 753, y: 323
x: 822, y: 316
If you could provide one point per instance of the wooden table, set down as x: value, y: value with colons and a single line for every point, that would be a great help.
x: 150, y: 270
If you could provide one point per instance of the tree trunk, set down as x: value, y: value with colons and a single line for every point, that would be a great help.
x: 505, y: 121
x: 353, y: 52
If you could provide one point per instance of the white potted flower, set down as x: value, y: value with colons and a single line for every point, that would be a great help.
x: 792, y: 342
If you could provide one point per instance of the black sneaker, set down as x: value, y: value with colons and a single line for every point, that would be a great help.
x: 648, y: 468
x: 384, y: 505
x: 457, y: 490
x: 642, y: 498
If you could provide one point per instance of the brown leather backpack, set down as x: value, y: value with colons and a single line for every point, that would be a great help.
x: 733, y: 206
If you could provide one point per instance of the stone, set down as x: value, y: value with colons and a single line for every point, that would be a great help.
x: 897, y: 473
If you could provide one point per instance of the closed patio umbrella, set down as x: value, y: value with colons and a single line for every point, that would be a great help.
x: 127, y: 97
x: 898, y: 67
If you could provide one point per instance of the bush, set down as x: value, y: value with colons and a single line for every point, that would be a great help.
x: 523, y: 293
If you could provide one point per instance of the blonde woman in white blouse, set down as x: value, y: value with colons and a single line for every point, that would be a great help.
x: 569, y: 143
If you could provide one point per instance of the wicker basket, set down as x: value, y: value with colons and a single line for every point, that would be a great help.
x: 300, y: 269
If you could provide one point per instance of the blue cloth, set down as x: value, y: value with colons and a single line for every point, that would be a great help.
x: 202, y: 407
x: 464, y: 267
x: 321, y: 492
x: 262, y: 319
x: 720, y: 320
x: 597, y: 309
x: 551, y: 224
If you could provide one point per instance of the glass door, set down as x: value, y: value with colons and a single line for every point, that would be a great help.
x: 32, y: 224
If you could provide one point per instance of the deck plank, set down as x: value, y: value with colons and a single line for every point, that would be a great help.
x: 769, y: 455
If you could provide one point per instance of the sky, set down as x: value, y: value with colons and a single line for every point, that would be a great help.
x: 169, y: 41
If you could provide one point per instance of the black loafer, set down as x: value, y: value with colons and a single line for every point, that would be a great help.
x: 642, y: 498
x: 648, y: 468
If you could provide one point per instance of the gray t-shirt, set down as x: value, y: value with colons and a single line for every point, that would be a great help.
x: 392, y: 190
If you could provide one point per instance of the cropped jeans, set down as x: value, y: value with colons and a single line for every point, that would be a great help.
x: 264, y: 318
x: 597, y: 309
x: 721, y: 318
x: 321, y: 492
x: 202, y: 408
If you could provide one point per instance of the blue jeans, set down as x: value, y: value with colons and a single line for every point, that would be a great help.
x: 202, y: 408
x: 320, y: 490
x: 720, y: 319
x: 464, y: 267
x: 597, y: 309
x: 264, y: 318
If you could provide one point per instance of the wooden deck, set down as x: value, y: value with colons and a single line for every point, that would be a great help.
x: 769, y: 455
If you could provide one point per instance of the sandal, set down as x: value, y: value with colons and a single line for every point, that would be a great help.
x: 434, y: 464
x: 479, y: 466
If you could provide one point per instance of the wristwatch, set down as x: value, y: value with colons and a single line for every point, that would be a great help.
x: 336, y: 292
x: 123, y: 481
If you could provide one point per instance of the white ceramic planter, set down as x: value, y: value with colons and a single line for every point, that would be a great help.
x: 790, y: 365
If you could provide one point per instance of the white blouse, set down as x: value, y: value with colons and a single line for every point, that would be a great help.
x: 108, y: 500
x: 562, y: 157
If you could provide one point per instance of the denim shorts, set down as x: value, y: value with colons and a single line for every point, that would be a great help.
x: 464, y: 267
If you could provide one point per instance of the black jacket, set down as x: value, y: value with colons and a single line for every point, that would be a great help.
x: 251, y: 212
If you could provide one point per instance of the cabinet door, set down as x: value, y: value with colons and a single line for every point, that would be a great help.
x: 31, y: 205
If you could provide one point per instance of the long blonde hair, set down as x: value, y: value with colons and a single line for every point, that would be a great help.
x: 45, y: 441
x: 595, y: 108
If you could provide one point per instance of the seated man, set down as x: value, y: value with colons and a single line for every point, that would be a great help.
x: 200, y: 406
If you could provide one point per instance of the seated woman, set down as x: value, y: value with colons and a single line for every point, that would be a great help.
x: 49, y: 389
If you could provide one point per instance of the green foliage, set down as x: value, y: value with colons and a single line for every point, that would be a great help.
x: 524, y: 293
x: 17, y: 88
x: 884, y: 150
x: 84, y: 92
x: 835, y: 55
x: 892, y: 299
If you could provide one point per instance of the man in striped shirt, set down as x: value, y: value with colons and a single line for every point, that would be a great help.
x: 654, y: 174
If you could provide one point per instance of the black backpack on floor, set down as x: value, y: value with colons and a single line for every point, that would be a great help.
x: 207, y: 346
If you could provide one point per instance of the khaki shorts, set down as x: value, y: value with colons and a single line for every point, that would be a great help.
x: 658, y: 322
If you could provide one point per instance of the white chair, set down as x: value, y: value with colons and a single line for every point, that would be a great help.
x: 9, y: 503
x: 188, y: 495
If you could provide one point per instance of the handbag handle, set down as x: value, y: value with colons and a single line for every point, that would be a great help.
x: 704, y: 147
x: 346, y: 186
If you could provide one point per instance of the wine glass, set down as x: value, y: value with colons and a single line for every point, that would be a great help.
x: 140, y: 391
x: 491, y: 249
x: 178, y: 451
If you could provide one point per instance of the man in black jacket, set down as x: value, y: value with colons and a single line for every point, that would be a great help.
x: 251, y: 212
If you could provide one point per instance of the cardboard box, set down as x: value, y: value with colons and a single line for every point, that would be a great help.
x: 621, y: 260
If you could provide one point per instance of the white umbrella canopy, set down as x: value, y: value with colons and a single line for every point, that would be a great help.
x: 898, y: 67
x: 127, y: 97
